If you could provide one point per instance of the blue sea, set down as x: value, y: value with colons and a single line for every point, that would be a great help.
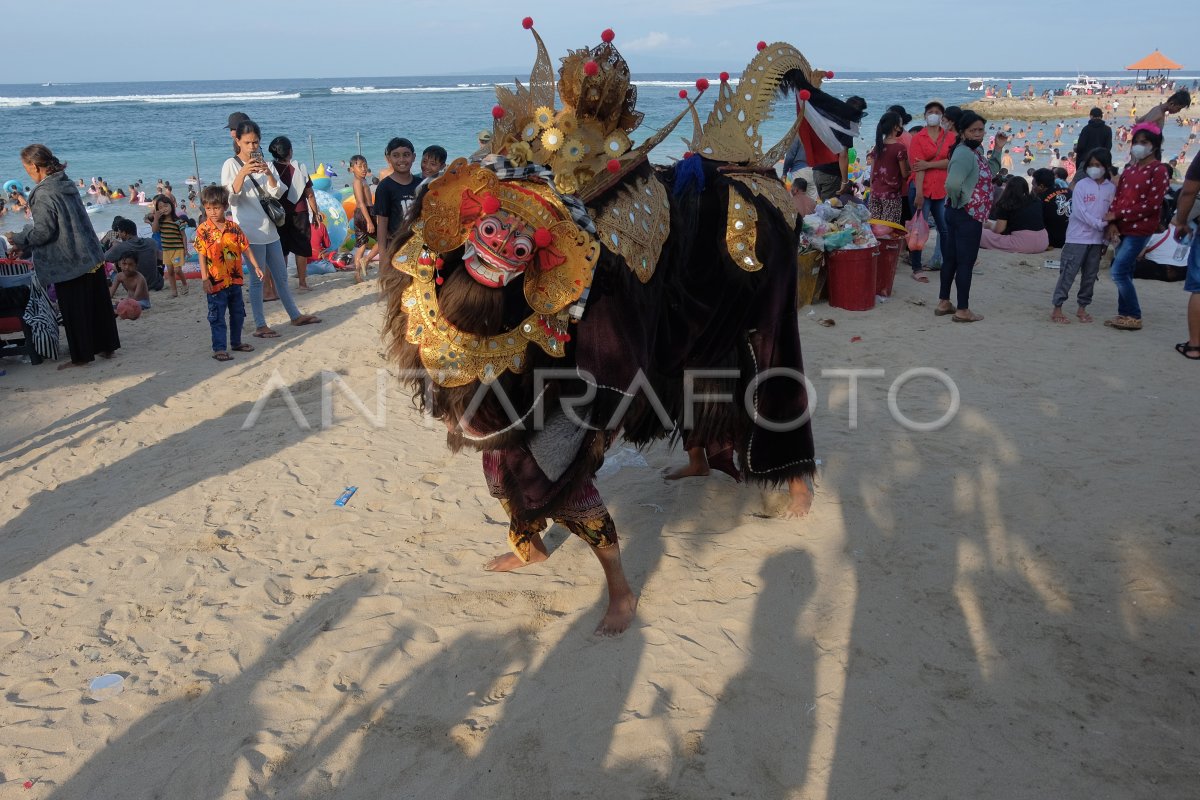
x: 146, y: 130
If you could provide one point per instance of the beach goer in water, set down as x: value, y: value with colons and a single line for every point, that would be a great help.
x: 889, y: 177
x: 364, y: 217
x: 127, y: 276
x: 1085, y: 235
x: 1134, y: 216
x: 1056, y: 204
x: 928, y: 160
x: 251, y: 179
x: 968, y: 204
x: 172, y: 238
x: 300, y: 203
x: 1018, y: 226
x: 67, y: 254
x: 1185, y: 204
x: 396, y: 192
x: 220, y: 244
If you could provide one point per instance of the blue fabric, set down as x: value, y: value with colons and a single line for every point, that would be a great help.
x: 959, y: 252
x: 935, y: 215
x: 1122, y: 275
x: 689, y: 175
x: 228, y: 300
x: 1192, y: 282
x: 61, y: 239
x: 269, y: 257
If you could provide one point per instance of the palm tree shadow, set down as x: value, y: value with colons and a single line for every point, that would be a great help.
x: 190, y: 747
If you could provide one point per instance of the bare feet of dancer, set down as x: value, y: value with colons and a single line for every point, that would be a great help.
x: 801, y: 499
x: 622, y: 602
x: 697, y: 466
x: 507, y: 562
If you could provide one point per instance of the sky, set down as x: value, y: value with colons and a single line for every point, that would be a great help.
x: 137, y: 40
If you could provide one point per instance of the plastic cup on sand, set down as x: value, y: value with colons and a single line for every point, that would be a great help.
x: 106, y: 686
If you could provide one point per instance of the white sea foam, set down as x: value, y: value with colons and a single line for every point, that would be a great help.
x: 206, y: 97
x: 462, y: 87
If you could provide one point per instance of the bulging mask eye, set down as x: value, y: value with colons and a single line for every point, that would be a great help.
x: 522, y: 247
x: 489, y: 227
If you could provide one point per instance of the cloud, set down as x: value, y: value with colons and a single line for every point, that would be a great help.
x: 651, y: 42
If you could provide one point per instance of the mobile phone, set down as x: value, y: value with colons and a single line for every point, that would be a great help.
x: 256, y: 154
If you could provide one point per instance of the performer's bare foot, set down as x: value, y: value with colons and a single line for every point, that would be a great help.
x: 697, y: 466
x: 507, y: 562
x: 801, y: 499
x: 622, y: 602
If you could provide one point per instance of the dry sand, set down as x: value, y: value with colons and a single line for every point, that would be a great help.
x: 1005, y: 608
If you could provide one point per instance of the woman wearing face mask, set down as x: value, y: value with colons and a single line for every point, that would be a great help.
x: 1134, y: 216
x: 968, y: 204
x: 251, y: 179
x: 928, y: 157
x: 1085, y: 235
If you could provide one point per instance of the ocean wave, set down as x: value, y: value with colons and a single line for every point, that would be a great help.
x: 207, y: 97
x: 461, y: 87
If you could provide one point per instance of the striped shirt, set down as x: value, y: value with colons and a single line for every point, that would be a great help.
x: 171, y: 234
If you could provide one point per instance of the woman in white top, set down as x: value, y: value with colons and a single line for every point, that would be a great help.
x: 248, y: 177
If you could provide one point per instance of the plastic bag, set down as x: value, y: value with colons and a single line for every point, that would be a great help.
x: 918, y: 233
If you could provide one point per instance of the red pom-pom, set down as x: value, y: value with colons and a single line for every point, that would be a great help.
x: 527, y: 23
x: 683, y: 94
x: 591, y: 68
x: 829, y: 74
x: 805, y: 94
x: 688, y: 154
x: 542, y: 237
x: 439, y: 263
x: 497, y: 112
x: 614, y: 165
x: 439, y: 280
x: 724, y: 77
x: 607, y: 35
x: 491, y: 204
x: 702, y: 84
x: 762, y: 45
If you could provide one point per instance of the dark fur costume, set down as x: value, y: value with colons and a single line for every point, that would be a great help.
x: 698, y: 311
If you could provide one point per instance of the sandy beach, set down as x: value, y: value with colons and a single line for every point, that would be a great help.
x: 1004, y: 608
x: 1076, y: 107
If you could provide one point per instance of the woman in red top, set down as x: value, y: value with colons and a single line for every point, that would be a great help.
x: 928, y: 159
x: 1134, y: 216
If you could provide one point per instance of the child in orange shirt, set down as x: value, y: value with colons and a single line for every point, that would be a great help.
x: 220, y: 244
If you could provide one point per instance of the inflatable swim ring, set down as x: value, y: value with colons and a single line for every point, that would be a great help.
x: 14, y: 186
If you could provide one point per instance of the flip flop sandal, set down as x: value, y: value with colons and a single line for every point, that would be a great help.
x: 222, y: 357
x: 966, y: 319
x: 1183, y: 348
x: 267, y: 334
x: 941, y: 312
x: 919, y: 278
x: 243, y: 348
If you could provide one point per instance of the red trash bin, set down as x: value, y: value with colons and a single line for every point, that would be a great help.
x: 885, y: 269
x: 852, y: 278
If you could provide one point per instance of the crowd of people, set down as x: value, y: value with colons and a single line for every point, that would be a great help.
x: 260, y: 212
x: 1097, y: 201
x: 948, y: 170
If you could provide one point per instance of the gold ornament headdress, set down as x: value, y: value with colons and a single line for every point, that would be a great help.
x: 587, y: 142
x: 731, y: 133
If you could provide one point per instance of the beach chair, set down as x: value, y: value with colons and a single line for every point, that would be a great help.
x: 16, y: 285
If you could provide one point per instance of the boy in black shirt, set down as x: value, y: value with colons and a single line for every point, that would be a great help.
x: 396, y: 192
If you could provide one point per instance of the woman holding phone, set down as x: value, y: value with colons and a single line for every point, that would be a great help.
x: 250, y: 180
